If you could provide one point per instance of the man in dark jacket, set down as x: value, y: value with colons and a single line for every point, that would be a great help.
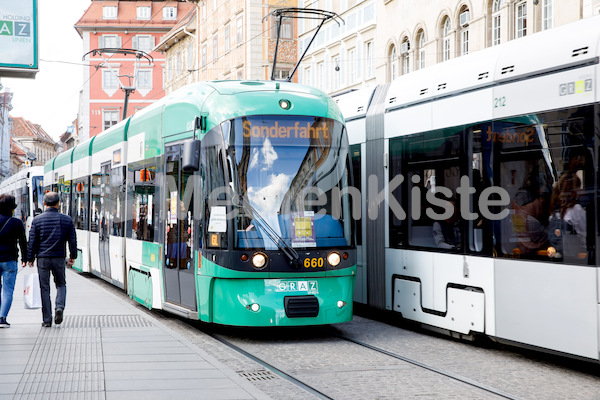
x: 12, y: 232
x: 48, y: 237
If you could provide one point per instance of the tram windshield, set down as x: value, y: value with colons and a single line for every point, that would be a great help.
x: 288, y: 175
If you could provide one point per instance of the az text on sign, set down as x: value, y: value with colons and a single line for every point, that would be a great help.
x: 18, y: 38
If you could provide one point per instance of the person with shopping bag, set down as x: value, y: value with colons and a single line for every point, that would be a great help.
x: 50, y: 232
x: 12, y: 233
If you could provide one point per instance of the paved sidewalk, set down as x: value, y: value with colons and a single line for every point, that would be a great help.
x: 106, y: 349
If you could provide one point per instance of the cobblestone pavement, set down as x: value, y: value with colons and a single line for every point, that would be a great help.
x: 344, y: 370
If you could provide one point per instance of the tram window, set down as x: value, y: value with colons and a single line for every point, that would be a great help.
x: 355, y: 155
x: 397, y: 224
x: 81, y: 198
x: 214, y: 175
x: 480, y: 228
x: 433, y: 169
x: 117, y: 201
x: 38, y: 194
x: 141, y: 203
x: 95, y: 206
x: 549, y: 175
x: 24, y: 200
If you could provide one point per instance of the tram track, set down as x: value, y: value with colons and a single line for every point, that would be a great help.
x: 335, y: 334
x: 427, y: 367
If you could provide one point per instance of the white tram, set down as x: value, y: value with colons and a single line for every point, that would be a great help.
x: 28, y: 188
x: 522, y: 116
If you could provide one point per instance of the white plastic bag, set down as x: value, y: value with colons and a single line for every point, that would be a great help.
x: 31, y: 292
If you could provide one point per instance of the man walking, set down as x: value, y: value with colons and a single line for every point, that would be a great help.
x: 48, y: 237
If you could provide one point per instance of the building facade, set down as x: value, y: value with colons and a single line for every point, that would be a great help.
x: 229, y: 39
x: 135, y: 25
x: 383, y: 39
x: 37, y: 144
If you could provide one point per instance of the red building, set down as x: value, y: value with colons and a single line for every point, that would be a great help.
x: 136, y: 25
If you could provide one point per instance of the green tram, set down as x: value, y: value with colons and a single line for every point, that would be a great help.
x: 225, y: 202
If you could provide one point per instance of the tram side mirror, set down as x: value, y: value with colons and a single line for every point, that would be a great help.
x: 191, y: 155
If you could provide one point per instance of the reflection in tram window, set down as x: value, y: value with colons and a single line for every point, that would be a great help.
x: 548, y: 173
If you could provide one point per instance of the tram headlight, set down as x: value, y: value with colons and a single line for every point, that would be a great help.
x: 341, y: 303
x: 334, y: 258
x: 255, y: 307
x: 285, y: 104
x: 259, y: 260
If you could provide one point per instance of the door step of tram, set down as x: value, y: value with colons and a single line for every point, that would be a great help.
x: 179, y: 310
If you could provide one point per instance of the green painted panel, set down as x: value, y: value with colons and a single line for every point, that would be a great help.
x: 151, y: 254
x: 140, y: 286
x: 63, y: 159
x: 232, y: 298
x: 83, y: 150
x: 115, y: 134
x: 148, y: 122
x: 49, y: 166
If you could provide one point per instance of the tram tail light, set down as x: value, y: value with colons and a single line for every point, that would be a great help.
x: 345, y: 256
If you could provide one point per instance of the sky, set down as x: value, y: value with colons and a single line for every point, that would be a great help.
x: 52, y: 98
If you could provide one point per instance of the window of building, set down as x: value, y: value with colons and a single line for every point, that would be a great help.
x: 110, y: 118
x: 143, y: 42
x: 307, y: 76
x: 282, y: 74
x: 190, y: 56
x: 321, y: 76
x: 393, y: 63
x: 239, y: 34
x: 421, y: 49
x: 204, y: 61
x: 170, y: 68
x: 215, y: 54
x: 169, y: 13
x: 463, y: 21
x: 446, y: 39
x: 496, y: 22
x: 336, y: 70
x: 109, y: 79
x: 109, y: 12
x: 547, y: 14
x: 179, y: 65
x: 143, y: 13
x: 405, y: 54
x: 369, y: 59
x: 109, y: 42
x: 144, y: 79
x: 227, y: 37
x: 351, y: 66
x: 521, y: 19
x: 287, y: 28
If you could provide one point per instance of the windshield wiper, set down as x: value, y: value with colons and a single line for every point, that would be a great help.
x: 288, y: 250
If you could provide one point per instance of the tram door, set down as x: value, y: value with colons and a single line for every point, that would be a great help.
x: 105, y: 219
x: 179, y: 275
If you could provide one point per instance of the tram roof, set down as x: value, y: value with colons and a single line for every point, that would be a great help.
x: 559, y: 47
